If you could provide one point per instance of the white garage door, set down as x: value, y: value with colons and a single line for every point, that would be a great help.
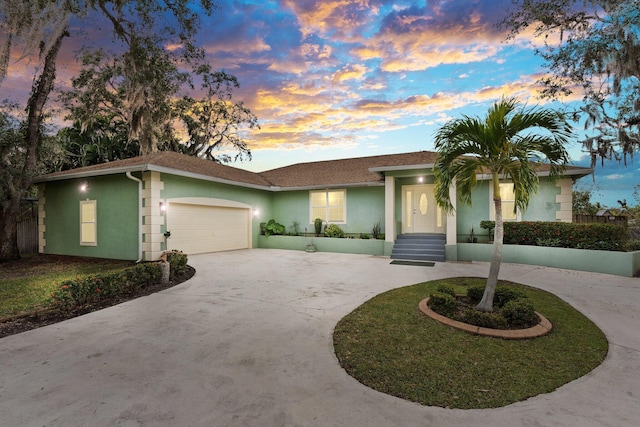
x: 197, y: 229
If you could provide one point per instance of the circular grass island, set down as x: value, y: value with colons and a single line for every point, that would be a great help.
x: 388, y: 344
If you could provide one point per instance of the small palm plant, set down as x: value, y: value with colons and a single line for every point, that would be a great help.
x: 508, y: 144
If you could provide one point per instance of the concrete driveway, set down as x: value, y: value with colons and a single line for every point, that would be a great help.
x: 248, y: 342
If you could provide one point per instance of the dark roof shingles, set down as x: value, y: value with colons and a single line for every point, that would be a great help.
x: 344, y: 171
x: 312, y: 174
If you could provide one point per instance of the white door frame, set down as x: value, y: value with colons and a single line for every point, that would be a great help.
x: 420, y: 214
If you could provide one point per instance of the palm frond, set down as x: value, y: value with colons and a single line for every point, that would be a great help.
x: 510, y: 142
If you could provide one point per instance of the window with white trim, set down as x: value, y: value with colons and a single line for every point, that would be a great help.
x: 328, y: 205
x: 508, y: 197
x: 88, y: 223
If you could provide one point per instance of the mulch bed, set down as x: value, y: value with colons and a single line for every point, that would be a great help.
x: 28, y: 321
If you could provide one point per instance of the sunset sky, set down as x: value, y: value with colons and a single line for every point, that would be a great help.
x: 349, y: 78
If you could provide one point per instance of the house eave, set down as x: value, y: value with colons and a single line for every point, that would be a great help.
x: 178, y: 172
x: 185, y: 174
x: 92, y: 173
x: 382, y: 169
x: 575, y: 173
x: 147, y: 168
x: 325, y: 186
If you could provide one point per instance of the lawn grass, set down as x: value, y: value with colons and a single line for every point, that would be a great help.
x: 390, y: 346
x: 26, y: 284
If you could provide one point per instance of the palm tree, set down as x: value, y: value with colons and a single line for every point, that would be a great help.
x: 509, y: 144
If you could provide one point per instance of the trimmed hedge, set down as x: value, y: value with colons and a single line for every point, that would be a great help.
x: 91, y: 289
x: 512, y: 309
x: 502, y: 295
x: 442, y: 303
x: 608, y: 237
x: 519, y: 312
x: 177, y: 263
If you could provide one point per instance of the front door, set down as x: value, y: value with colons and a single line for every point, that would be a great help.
x: 420, y: 213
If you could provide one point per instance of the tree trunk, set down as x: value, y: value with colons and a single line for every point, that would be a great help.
x: 35, y: 109
x: 9, y: 230
x: 486, y: 304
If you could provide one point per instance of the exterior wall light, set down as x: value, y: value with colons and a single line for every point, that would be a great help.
x: 84, y: 186
x: 420, y: 179
x: 163, y: 208
x: 256, y: 212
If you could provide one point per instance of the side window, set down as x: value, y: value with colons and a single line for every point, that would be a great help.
x: 508, y: 202
x: 508, y: 198
x: 329, y: 205
x: 88, y: 223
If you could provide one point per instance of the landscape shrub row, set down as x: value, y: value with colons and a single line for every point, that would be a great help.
x: 273, y: 228
x: 91, y: 289
x: 596, y: 236
x: 511, y: 307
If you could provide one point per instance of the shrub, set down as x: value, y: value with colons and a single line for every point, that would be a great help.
x: 333, y: 230
x: 632, y: 245
x: 553, y: 242
x: 483, y: 319
x: 489, y: 226
x: 91, y: 289
x: 502, y: 296
x: 376, y: 230
x: 505, y: 294
x: 563, y: 234
x: 472, y: 237
x: 317, y: 225
x: 177, y: 263
x: 446, y: 289
x: 273, y: 228
x: 147, y: 273
x: 474, y: 293
x: 442, y: 303
x: 519, y: 312
x: 295, y: 228
x: 364, y: 236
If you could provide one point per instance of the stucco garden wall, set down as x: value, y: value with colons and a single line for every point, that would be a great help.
x: 324, y: 244
x: 116, y: 210
x: 609, y: 262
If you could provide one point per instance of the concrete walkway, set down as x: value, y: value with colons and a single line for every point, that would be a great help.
x: 248, y: 342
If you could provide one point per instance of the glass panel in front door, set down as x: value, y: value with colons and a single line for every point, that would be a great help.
x: 422, y: 218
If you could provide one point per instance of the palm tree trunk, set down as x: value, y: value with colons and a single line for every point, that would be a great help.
x: 486, y: 304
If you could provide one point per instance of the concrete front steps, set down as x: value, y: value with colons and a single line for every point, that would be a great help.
x: 419, y: 247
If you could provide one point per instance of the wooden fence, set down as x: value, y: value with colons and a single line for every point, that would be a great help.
x: 28, y: 227
x: 603, y: 219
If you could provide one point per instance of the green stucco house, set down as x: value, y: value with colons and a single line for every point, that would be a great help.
x: 137, y: 208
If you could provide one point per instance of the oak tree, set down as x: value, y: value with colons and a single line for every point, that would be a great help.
x: 592, y: 47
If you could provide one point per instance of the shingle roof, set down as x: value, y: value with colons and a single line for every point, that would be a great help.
x: 353, y: 171
x: 168, y: 160
x: 344, y: 171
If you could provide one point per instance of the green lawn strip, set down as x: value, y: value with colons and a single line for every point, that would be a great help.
x: 389, y: 345
x: 26, y: 287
